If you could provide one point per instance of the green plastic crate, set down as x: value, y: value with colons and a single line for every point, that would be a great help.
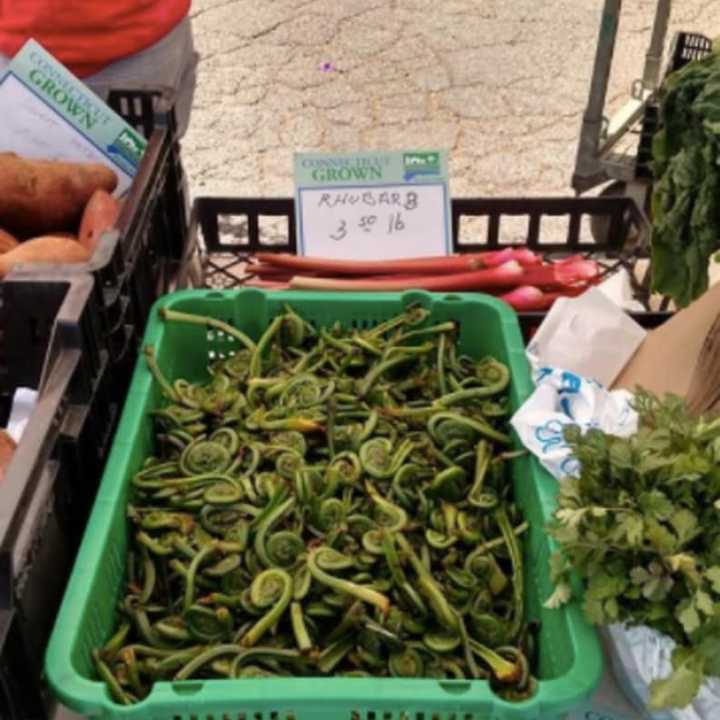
x: 570, y: 656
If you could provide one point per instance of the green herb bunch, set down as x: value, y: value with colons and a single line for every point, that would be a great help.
x: 686, y: 195
x: 641, y: 526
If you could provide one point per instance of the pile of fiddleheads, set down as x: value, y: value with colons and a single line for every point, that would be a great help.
x: 329, y: 502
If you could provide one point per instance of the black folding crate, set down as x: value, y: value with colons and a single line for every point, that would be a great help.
x: 224, y: 232
x: 51, y: 339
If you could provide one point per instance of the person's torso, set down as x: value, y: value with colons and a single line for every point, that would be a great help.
x: 88, y: 35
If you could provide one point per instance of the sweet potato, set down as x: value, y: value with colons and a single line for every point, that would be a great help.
x: 7, y: 241
x: 45, y: 196
x: 48, y: 249
x: 7, y: 448
x: 100, y: 215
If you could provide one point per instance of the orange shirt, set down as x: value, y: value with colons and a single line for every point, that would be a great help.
x: 87, y: 35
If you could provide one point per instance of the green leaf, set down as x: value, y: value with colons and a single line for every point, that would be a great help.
x: 594, y: 611
x: 686, y: 563
x: 660, y: 538
x: 621, y: 455
x: 685, y: 524
x: 565, y: 534
x: 688, y: 617
x: 708, y: 646
x: 639, y: 576
x: 650, y: 464
x: 677, y: 690
x: 713, y: 575
x: 655, y: 503
x: 657, y: 588
x: 612, y: 609
x: 704, y: 603
x: 631, y: 527
x: 570, y: 516
x: 558, y: 565
x: 602, y: 586
x: 570, y: 492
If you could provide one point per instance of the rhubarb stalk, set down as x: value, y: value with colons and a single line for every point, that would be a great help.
x: 443, y: 265
x: 507, y: 275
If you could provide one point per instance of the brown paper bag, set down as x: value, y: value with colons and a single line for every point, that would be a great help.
x: 667, y: 359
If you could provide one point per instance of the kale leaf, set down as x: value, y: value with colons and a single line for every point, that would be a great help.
x: 686, y: 192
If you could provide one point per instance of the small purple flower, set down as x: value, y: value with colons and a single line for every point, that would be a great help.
x: 327, y: 67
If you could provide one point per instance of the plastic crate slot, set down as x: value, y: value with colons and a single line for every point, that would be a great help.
x: 274, y: 715
x: 233, y: 229
x: 273, y: 230
x: 187, y: 687
x: 455, y: 687
x: 514, y: 229
x: 473, y: 230
x: 387, y: 716
x: 371, y: 715
x: 420, y: 716
x: 553, y: 230
x: 258, y: 716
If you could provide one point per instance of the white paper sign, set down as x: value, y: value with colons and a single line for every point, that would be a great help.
x: 34, y: 130
x: 48, y: 113
x: 372, y: 205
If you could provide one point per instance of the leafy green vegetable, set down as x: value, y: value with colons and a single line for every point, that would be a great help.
x: 641, y: 526
x: 686, y: 195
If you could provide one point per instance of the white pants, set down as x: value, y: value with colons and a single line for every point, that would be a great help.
x: 169, y: 63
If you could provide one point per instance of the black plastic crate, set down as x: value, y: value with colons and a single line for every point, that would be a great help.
x: 224, y: 232
x: 50, y: 329
x: 137, y: 262
x: 74, y: 331
x: 685, y: 48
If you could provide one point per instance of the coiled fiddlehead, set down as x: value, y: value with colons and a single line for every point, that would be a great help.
x: 270, y: 589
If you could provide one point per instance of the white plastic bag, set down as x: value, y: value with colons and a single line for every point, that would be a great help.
x: 640, y: 655
x: 563, y: 398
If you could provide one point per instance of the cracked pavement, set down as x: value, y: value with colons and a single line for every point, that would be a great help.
x: 501, y: 85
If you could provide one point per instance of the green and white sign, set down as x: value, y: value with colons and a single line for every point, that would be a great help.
x: 49, y: 113
x: 373, y: 205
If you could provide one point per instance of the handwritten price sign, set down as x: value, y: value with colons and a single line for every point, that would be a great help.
x: 372, y: 206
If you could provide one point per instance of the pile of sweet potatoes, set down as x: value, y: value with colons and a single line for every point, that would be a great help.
x: 53, y: 212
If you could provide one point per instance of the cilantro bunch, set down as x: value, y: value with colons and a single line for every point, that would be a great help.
x: 641, y: 526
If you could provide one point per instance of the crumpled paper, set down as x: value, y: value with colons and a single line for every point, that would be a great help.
x: 589, y: 335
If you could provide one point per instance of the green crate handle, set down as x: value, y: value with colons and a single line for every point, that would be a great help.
x: 569, y: 647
